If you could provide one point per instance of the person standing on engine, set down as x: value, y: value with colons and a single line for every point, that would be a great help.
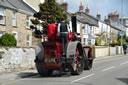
x: 63, y: 30
x: 52, y: 31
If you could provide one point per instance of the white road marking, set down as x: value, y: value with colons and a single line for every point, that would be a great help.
x: 108, y: 68
x: 83, y: 78
x: 124, y: 63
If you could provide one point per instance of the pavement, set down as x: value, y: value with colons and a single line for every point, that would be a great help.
x: 107, y: 57
x: 27, y: 73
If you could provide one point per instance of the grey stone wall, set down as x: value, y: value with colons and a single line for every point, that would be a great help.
x: 15, y: 59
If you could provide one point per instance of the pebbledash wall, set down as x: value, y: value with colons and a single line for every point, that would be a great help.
x: 101, y: 51
x: 16, y: 59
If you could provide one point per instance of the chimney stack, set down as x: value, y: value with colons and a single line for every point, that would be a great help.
x: 114, y: 16
x: 87, y: 10
x: 64, y: 5
x: 98, y: 16
x: 81, y: 8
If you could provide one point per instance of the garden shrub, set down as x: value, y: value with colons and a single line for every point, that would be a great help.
x: 123, y: 41
x: 8, y: 40
x: 114, y: 43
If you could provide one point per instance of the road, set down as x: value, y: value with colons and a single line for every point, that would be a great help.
x: 110, y: 71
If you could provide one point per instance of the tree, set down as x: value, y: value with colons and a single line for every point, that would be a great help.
x: 49, y: 11
x: 8, y: 40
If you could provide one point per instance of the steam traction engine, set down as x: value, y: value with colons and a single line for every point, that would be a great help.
x: 77, y: 58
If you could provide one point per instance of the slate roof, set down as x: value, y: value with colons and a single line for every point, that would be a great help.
x: 87, y: 19
x: 117, y: 26
x: 91, y: 20
x: 6, y: 4
x: 18, y: 5
x: 21, y: 6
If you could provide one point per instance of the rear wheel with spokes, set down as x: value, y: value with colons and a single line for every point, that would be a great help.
x: 89, y: 62
x: 78, y: 66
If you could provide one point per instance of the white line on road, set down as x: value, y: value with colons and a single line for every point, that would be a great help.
x: 124, y: 63
x: 83, y: 78
x: 108, y: 68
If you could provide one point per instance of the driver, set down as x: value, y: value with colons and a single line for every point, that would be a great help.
x: 63, y: 30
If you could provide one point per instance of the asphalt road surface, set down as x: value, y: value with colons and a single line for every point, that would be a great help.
x: 111, y: 71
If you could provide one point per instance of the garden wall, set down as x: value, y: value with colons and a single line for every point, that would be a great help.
x: 14, y: 59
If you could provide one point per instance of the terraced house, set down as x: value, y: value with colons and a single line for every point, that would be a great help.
x: 15, y: 19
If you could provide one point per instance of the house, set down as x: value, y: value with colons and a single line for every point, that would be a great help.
x: 15, y: 19
x: 124, y: 20
x: 87, y: 27
x: 34, y: 4
x: 88, y: 24
x: 116, y: 24
x: 94, y: 27
x: 108, y: 29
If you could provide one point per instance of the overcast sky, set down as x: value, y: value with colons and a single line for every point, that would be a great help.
x: 103, y: 6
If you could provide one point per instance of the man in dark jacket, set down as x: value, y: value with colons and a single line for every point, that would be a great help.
x: 63, y: 30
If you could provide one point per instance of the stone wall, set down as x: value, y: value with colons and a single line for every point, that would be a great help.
x: 15, y: 59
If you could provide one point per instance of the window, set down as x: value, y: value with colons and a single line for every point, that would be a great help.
x: 1, y: 33
x: 28, y: 40
x: 126, y: 22
x: 91, y: 30
x: 15, y: 35
x: 2, y: 16
x: 28, y: 21
x: 14, y: 19
x: 85, y: 29
x: 84, y: 40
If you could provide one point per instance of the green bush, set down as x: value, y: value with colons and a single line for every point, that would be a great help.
x: 8, y: 40
x: 126, y: 39
x: 123, y: 41
x: 98, y: 41
x: 114, y: 43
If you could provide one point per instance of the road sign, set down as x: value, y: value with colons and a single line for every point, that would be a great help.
x: 122, y: 33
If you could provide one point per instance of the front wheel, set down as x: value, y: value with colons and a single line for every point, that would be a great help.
x: 88, y: 62
x: 42, y: 71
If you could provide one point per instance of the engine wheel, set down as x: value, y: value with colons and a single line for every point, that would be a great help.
x: 78, y: 63
x: 88, y: 63
x: 42, y: 71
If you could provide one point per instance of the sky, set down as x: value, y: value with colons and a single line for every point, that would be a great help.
x: 103, y: 6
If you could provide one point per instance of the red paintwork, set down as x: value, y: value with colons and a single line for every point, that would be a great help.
x: 72, y: 36
x: 52, y: 50
x: 52, y: 31
x: 77, y: 53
